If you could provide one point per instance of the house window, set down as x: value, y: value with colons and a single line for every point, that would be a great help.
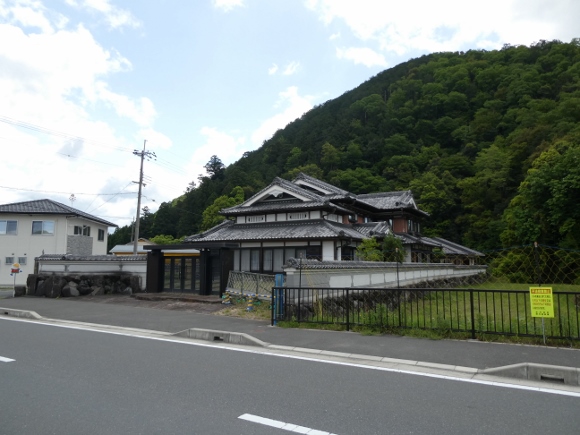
x: 9, y: 260
x: 101, y: 235
x: 22, y: 261
x: 253, y: 219
x: 278, y: 260
x: 85, y: 230
x: 255, y: 260
x: 8, y: 228
x: 42, y: 227
x: 298, y: 216
x: 245, y: 264
x: 267, y: 260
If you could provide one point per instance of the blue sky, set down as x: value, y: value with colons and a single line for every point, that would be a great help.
x: 85, y: 82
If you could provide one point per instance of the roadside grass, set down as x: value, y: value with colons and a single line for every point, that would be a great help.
x: 433, y: 334
x: 261, y: 310
x: 446, y: 314
x: 498, y: 284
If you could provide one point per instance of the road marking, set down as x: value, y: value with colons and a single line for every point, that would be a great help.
x: 3, y: 359
x: 281, y: 425
x: 502, y: 383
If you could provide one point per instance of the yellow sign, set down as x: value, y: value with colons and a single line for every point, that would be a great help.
x: 16, y: 266
x: 541, y: 302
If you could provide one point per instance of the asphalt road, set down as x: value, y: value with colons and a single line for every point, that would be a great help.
x: 70, y: 381
x: 6, y: 293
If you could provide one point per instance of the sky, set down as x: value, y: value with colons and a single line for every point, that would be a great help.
x: 84, y: 84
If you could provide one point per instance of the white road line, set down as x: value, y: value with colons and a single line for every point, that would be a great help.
x: 281, y: 425
x: 3, y: 359
x: 502, y: 384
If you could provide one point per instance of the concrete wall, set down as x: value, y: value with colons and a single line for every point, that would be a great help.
x: 348, y: 274
x: 96, y: 266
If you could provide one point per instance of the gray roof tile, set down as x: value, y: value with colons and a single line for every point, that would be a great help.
x: 48, y: 206
x: 308, y: 229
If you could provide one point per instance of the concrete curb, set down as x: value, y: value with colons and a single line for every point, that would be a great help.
x: 537, y: 372
x: 221, y: 337
x: 533, y: 372
x: 23, y: 314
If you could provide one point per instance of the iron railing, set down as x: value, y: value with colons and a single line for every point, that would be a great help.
x: 473, y: 311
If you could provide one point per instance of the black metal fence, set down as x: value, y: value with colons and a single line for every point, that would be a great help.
x: 473, y: 311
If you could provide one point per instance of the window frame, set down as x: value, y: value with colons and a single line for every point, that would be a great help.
x: 101, y: 235
x: 43, y: 231
x: 6, y: 231
x: 82, y: 230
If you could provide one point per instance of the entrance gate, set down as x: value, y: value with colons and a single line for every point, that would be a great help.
x: 181, y: 274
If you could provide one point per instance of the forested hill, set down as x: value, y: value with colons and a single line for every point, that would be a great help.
x: 488, y: 141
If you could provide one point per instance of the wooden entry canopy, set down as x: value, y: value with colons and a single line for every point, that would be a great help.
x: 214, y: 266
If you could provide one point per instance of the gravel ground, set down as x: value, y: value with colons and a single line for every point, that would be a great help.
x: 195, y: 307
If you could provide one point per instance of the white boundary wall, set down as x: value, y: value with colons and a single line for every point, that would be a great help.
x: 95, y: 267
x: 377, y: 274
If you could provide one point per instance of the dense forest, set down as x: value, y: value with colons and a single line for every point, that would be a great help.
x: 488, y: 141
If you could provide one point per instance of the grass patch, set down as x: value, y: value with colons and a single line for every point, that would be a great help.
x: 261, y: 310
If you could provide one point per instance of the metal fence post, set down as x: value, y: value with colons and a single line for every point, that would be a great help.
x: 347, y: 310
x: 472, y: 314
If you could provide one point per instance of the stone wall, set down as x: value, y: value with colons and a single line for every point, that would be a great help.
x: 79, y: 245
x: 54, y: 286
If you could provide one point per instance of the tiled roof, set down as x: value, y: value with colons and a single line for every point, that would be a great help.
x: 315, y: 201
x: 410, y: 239
x: 48, y: 206
x: 69, y: 257
x: 297, y: 230
x: 388, y: 200
x: 316, y: 264
x: 373, y: 229
x: 452, y: 248
x: 302, y: 177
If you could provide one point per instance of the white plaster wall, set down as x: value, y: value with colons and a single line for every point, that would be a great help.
x: 328, y: 250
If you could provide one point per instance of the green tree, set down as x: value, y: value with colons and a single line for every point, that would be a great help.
x: 369, y: 250
x: 215, y: 168
x: 546, y: 208
x: 163, y: 239
x: 211, y: 216
x: 389, y: 249
x: 330, y: 157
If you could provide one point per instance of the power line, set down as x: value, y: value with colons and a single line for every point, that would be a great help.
x: 67, y: 193
x: 45, y: 130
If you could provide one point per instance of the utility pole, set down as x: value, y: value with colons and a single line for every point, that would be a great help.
x: 144, y: 155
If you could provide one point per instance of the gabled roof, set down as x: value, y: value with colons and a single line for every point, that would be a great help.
x: 229, y: 231
x: 388, y: 200
x: 49, y: 207
x: 322, y: 187
x: 281, y: 195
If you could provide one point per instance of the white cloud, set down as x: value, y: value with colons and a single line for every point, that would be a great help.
x: 55, y: 91
x: 227, y: 5
x: 362, y: 55
x: 114, y: 16
x: 273, y: 69
x: 428, y: 26
x: 334, y: 36
x: 141, y: 111
x: 295, y: 107
x: 29, y: 14
x: 226, y: 147
x: 291, y: 68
